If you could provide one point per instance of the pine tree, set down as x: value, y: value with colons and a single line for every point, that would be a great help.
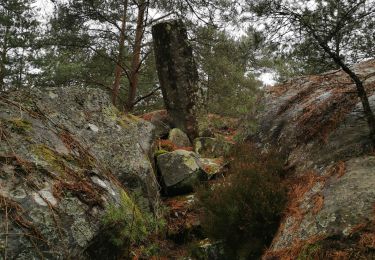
x: 336, y: 27
x: 18, y: 30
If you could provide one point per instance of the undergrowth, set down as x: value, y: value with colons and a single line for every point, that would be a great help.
x: 244, y: 209
x: 127, y: 226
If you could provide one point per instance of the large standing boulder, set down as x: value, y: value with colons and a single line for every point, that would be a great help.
x: 178, y: 75
x: 318, y: 122
x: 66, y: 155
x: 180, y: 171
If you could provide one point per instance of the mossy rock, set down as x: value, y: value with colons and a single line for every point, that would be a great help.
x: 180, y: 171
x: 20, y: 126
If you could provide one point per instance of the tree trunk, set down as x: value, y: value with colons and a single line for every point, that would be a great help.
x: 361, y: 92
x: 136, y: 59
x: 178, y: 75
x: 118, y: 69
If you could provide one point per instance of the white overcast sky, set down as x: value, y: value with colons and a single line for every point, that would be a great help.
x: 45, y: 9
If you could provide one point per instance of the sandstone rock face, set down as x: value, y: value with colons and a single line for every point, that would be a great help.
x: 318, y: 122
x: 179, y: 138
x: 180, y: 171
x: 65, y: 156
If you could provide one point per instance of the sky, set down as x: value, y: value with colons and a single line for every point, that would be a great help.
x: 45, y: 9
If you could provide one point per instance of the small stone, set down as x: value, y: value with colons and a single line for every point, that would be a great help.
x: 179, y: 138
x: 93, y: 128
x: 52, y: 95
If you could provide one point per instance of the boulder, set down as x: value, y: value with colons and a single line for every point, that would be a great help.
x: 180, y: 171
x: 179, y: 138
x: 318, y: 122
x: 178, y: 75
x: 212, y: 147
x: 66, y: 155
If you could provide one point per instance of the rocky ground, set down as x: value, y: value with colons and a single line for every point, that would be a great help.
x: 182, y: 166
x: 318, y: 122
x: 80, y: 180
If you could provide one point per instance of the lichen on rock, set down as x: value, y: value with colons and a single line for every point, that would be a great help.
x: 62, y: 164
x: 318, y: 122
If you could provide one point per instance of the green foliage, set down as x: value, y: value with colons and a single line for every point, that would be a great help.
x: 229, y: 88
x: 160, y: 152
x: 18, y: 30
x: 128, y: 220
x: 244, y: 209
x: 20, y: 126
x: 344, y: 27
x: 127, y: 224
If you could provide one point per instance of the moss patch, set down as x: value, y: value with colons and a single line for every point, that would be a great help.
x: 160, y: 152
x: 111, y: 113
x: 20, y: 126
x: 125, y: 222
x: 51, y: 157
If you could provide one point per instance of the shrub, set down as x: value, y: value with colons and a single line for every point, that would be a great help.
x: 124, y: 226
x: 244, y: 209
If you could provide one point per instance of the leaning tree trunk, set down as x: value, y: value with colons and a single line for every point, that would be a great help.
x: 361, y: 92
x: 178, y: 75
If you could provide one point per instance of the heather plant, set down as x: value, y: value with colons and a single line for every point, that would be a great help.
x: 243, y: 210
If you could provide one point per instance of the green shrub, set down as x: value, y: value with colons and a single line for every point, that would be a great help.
x: 244, y: 209
x: 124, y: 226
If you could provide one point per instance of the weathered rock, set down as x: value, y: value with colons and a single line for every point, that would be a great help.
x: 212, y: 166
x: 64, y: 154
x: 318, y: 121
x: 212, y: 147
x: 179, y: 138
x: 180, y: 171
x: 178, y: 75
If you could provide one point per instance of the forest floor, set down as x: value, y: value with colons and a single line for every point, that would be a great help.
x: 183, y: 235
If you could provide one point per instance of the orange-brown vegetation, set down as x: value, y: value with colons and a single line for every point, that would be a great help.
x: 169, y: 146
x: 318, y: 203
x: 325, y: 101
x: 367, y: 240
x: 155, y: 114
x: 291, y: 253
x: 298, y: 186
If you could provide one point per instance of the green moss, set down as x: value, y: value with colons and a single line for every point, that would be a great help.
x: 111, y: 112
x: 127, y: 120
x: 160, y: 152
x: 46, y: 154
x: 125, y: 222
x: 20, y: 126
x: 310, y: 252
